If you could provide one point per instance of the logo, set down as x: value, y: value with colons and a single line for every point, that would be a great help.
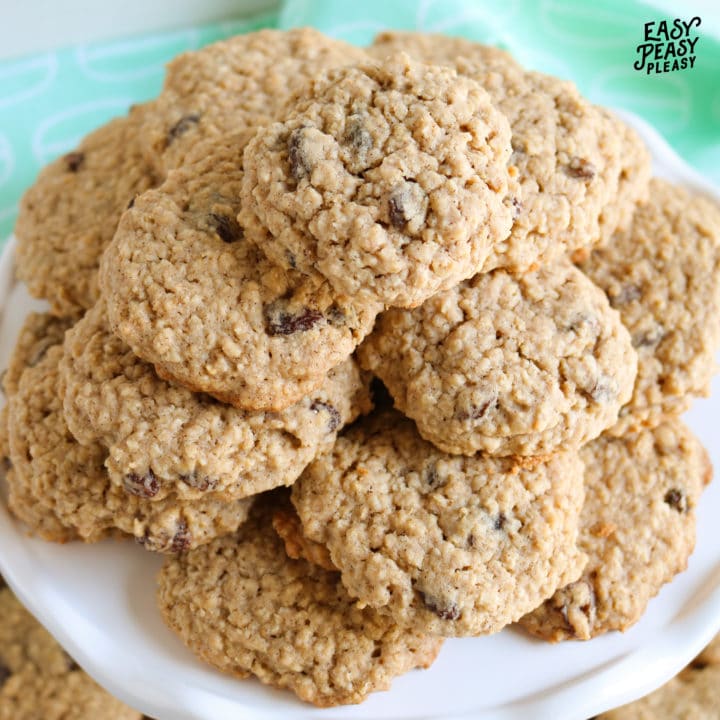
x: 668, y: 46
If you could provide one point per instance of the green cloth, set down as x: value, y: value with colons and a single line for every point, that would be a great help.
x: 48, y: 102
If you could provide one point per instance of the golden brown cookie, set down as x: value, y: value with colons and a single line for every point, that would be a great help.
x: 580, y: 170
x: 663, y: 275
x: 39, y: 680
x: 637, y: 528
x: 165, y: 439
x: 390, y: 180
x: 68, y: 217
x: 448, y: 544
x: 188, y: 292
x: 243, y: 606
x: 507, y: 364
x: 38, y: 334
x: 234, y: 85
x: 61, y: 489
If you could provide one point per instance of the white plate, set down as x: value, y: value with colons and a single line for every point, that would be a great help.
x: 98, y: 600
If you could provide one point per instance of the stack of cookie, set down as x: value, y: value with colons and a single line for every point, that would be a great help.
x: 231, y: 265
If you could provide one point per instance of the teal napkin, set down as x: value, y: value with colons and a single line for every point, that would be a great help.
x: 49, y: 101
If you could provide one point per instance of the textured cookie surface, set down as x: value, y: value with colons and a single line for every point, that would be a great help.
x: 69, y: 215
x: 20, y: 500
x: 390, y: 180
x: 242, y: 605
x: 507, y: 364
x: 449, y: 544
x: 38, y: 334
x: 442, y: 50
x: 692, y: 695
x: 232, y: 85
x: 61, y: 488
x: 287, y: 525
x: 571, y: 157
x: 633, y: 187
x: 165, y: 439
x: 39, y: 680
x: 637, y: 528
x: 189, y: 293
x: 663, y: 276
x: 4, y: 439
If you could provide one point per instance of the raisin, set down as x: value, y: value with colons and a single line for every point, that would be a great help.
x: 334, y: 420
x: 199, y: 482
x: 40, y: 350
x: 404, y: 204
x: 628, y: 293
x: 227, y: 228
x: 517, y: 208
x: 477, y: 412
x: 336, y: 316
x: 145, y: 486
x: 580, y: 320
x: 581, y: 169
x: 279, y: 321
x: 397, y: 211
x: 649, y: 338
x: 500, y: 521
x: 604, y: 390
x: 4, y: 674
x: 677, y: 500
x: 182, y: 539
x: 447, y: 610
x: 299, y: 163
x: 431, y: 475
x: 357, y: 135
x: 182, y: 126
x: 74, y: 160
x: 470, y: 541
